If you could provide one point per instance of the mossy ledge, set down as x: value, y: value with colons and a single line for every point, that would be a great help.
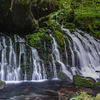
x: 83, y: 81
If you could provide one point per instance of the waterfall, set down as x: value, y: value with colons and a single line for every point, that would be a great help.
x: 56, y: 57
x: 85, y: 54
x: 19, y: 61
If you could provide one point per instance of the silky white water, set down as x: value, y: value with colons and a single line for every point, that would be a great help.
x: 19, y: 61
x: 85, y: 54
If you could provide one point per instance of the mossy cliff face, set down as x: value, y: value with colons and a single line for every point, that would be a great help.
x: 5, y: 14
x: 23, y: 18
x: 16, y: 17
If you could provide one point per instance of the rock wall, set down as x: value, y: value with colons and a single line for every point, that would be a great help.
x: 19, y: 17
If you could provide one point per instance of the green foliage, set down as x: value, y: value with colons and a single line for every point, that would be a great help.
x: 98, y: 84
x: 59, y: 37
x: 35, y: 38
x: 88, y: 19
x: 83, y: 96
x: 69, y: 25
x: 57, y: 32
x: 79, y: 80
x: 2, y: 83
x: 51, y: 24
x: 82, y: 14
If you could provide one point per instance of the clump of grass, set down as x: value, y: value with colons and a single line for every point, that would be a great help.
x: 83, y: 96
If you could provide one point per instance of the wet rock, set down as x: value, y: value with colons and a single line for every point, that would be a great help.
x: 83, y: 81
x: 72, y: 90
x: 50, y: 93
x: 63, y: 76
x: 98, y: 84
x: 2, y: 84
x: 34, y: 97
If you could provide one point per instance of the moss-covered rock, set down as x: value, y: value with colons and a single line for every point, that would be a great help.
x: 61, y: 75
x: 98, y: 84
x: 2, y: 84
x: 69, y: 25
x: 82, y: 81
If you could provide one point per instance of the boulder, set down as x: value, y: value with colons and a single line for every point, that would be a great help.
x: 83, y: 81
x: 63, y: 76
x: 2, y: 84
x: 98, y: 84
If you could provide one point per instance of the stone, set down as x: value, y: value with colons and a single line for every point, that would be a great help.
x: 83, y: 81
x: 61, y: 75
x: 2, y: 84
x: 98, y: 84
x: 50, y: 93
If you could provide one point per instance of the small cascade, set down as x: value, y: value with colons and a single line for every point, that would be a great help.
x: 37, y: 75
x: 19, y: 61
x: 85, y: 54
x: 57, y: 58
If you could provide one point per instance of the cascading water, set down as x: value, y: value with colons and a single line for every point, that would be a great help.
x: 85, y: 54
x: 56, y: 57
x: 19, y: 61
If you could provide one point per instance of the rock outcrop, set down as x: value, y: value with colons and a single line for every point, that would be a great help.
x: 21, y: 16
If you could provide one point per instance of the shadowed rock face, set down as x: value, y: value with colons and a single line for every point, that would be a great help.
x: 22, y: 17
x: 17, y: 19
x: 5, y: 14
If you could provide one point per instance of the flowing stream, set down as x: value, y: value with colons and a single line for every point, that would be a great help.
x: 19, y: 61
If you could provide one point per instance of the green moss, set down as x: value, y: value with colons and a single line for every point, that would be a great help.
x: 69, y: 25
x: 83, y: 96
x: 50, y: 56
x: 61, y: 75
x: 59, y: 37
x: 98, y: 84
x: 35, y: 38
x: 2, y: 83
x: 78, y: 14
x: 79, y: 80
